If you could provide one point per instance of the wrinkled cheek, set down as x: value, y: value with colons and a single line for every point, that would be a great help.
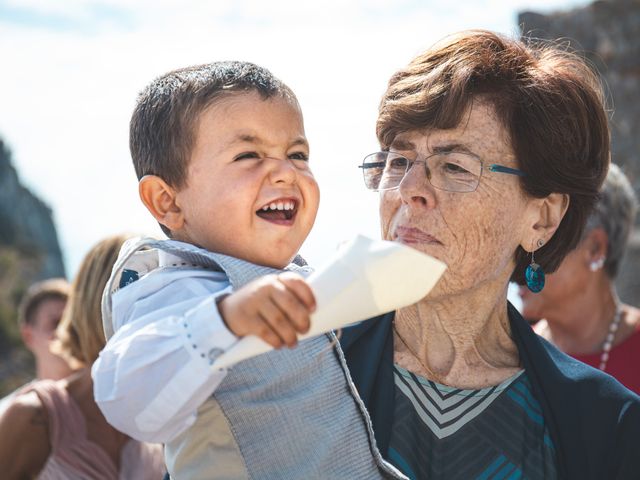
x: 500, y: 246
x: 388, y: 207
x: 481, y: 251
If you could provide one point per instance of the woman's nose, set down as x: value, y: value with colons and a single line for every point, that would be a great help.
x: 415, y: 188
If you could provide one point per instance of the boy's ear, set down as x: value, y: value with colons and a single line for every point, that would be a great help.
x: 160, y: 199
x: 544, y: 217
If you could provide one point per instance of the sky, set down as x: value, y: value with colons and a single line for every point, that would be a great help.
x: 71, y: 71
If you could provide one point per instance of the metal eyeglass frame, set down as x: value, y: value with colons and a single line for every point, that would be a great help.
x: 494, y: 167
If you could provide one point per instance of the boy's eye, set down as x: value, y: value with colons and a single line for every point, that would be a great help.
x: 247, y: 156
x: 299, y: 156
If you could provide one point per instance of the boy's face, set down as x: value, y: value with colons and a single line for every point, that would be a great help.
x: 249, y: 191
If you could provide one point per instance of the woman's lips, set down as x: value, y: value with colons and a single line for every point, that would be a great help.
x: 410, y: 235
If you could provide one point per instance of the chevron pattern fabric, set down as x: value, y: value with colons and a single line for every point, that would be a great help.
x: 441, y: 432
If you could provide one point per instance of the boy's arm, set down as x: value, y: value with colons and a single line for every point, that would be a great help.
x: 154, y: 372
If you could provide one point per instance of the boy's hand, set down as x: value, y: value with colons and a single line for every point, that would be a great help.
x: 275, y: 308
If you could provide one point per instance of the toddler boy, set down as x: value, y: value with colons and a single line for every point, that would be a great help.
x: 223, y: 163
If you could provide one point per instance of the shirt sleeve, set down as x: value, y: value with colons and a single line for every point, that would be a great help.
x: 155, y: 371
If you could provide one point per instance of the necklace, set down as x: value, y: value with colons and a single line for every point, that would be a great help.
x: 608, y: 342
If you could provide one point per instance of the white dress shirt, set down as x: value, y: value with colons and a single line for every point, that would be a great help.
x: 155, y: 372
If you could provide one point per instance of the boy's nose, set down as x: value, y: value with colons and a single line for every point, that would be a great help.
x: 282, y: 171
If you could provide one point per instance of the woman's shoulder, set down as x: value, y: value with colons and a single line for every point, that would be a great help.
x: 26, y: 423
x: 589, y: 413
x: 556, y: 372
x: 592, y: 384
x: 23, y: 406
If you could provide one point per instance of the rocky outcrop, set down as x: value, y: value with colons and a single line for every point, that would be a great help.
x: 29, y: 251
x: 26, y: 223
x: 608, y: 34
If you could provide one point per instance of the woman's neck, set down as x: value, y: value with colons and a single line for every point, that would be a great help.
x: 53, y: 367
x: 580, y: 326
x: 462, y: 341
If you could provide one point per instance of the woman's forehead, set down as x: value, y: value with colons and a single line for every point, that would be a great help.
x: 480, y: 129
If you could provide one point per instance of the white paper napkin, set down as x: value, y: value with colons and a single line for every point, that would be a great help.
x: 365, y: 278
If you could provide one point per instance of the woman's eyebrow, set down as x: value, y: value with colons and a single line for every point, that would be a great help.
x: 452, y: 147
x: 402, y: 144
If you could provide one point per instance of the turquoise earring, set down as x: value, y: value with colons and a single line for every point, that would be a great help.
x: 534, y: 275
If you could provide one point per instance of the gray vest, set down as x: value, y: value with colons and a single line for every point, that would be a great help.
x: 285, y: 414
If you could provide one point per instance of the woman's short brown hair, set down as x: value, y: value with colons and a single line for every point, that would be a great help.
x: 79, y: 334
x: 549, y: 100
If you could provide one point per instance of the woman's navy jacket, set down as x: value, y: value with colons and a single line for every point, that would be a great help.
x: 593, y: 420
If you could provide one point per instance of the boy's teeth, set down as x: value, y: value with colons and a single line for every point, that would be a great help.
x: 279, y: 206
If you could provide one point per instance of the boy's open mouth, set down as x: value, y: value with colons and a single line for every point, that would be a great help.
x: 281, y: 211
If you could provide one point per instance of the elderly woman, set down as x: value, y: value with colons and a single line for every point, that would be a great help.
x: 54, y: 429
x: 581, y: 312
x: 493, y: 152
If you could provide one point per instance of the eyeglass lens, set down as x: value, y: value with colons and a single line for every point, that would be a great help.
x: 450, y: 171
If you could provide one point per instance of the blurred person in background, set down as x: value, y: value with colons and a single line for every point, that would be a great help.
x: 39, y: 313
x: 54, y: 429
x: 579, y: 308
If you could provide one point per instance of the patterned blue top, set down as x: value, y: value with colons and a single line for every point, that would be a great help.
x: 441, y: 432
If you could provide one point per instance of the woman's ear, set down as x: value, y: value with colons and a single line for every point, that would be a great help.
x: 26, y: 332
x: 160, y: 199
x: 595, y: 242
x: 545, y: 217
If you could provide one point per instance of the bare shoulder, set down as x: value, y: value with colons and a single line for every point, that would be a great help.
x: 25, y: 410
x: 24, y: 437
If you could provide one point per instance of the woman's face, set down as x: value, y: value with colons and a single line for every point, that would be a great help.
x: 474, y: 233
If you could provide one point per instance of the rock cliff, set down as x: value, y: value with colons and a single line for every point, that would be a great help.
x: 29, y: 251
x: 26, y: 222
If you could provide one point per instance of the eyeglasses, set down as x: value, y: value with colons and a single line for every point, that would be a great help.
x: 449, y: 171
